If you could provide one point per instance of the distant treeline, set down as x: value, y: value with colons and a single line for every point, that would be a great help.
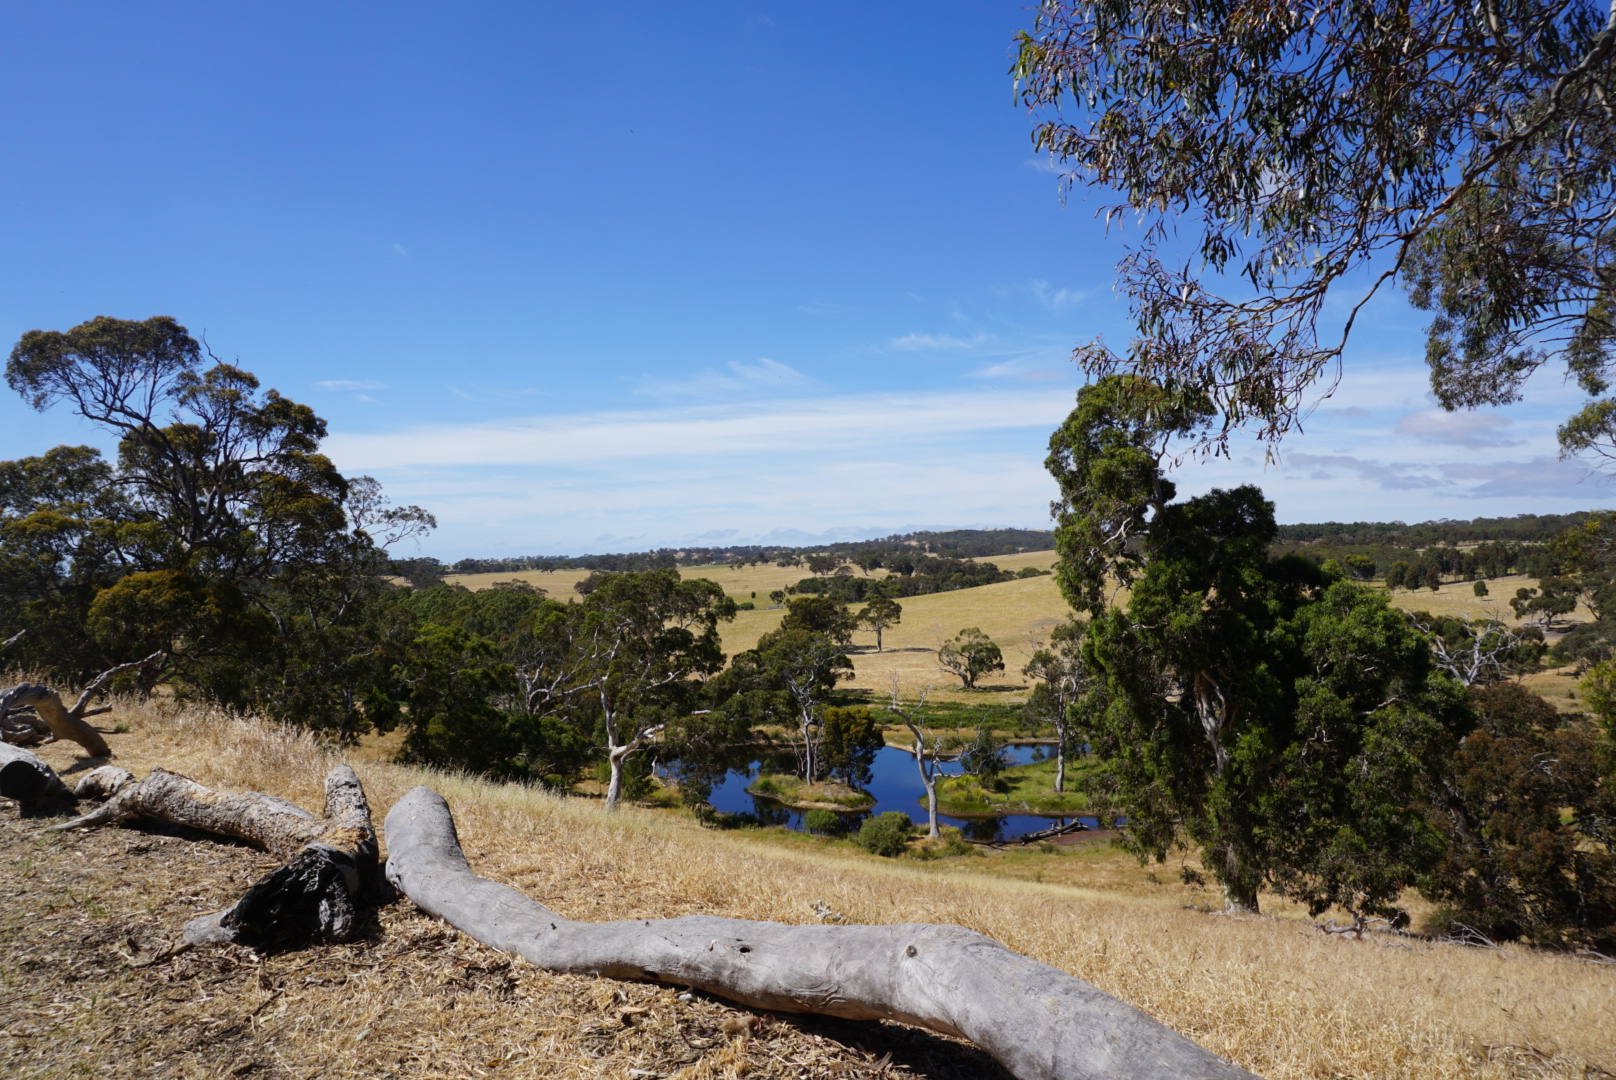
x: 940, y: 561
x: 1522, y: 529
x: 953, y: 544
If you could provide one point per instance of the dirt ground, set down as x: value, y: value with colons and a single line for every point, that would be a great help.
x: 86, y: 990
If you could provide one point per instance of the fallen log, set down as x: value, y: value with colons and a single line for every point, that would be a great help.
x: 1040, y: 1023
x: 309, y: 898
x: 25, y: 777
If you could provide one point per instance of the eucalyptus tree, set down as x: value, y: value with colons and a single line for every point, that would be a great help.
x: 787, y: 679
x: 638, y: 651
x: 221, y: 535
x: 880, y: 614
x: 1321, y: 151
x: 929, y: 749
x: 970, y: 654
x: 1065, y: 685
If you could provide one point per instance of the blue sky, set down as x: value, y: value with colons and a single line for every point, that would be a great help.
x: 600, y: 277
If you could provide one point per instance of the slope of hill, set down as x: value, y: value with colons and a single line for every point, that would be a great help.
x: 80, y: 993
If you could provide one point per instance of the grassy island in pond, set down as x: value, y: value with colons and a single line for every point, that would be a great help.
x: 1021, y: 789
x: 794, y: 792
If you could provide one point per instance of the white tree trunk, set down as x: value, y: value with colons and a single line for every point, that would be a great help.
x: 1060, y: 759
x: 614, y: 787
x: 1040, y: 1023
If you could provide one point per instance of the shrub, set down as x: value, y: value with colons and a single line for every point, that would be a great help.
x: 886, y: 835
x: 765, y: 785
x: 825, y: 821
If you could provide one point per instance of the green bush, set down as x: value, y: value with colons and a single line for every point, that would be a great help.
x: 825, y: 821
x: 885, y: 835
x: 765, y: 785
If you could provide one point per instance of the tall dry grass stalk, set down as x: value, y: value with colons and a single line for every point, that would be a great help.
x: 1272, y: 994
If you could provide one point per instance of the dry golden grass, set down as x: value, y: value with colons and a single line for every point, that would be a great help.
x: 1013, y: 613
x: 1270, y: 993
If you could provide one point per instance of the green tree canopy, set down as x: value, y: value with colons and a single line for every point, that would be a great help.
x: 1254, y: 707
x: 971, y: 654
x: 1466, y: 150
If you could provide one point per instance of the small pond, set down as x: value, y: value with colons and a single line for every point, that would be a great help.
x: 895, y: 783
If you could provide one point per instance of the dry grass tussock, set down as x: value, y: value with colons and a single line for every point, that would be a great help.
x: 417, y: 1000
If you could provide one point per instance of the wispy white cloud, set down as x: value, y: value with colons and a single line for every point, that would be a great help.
x: 848, y: 425
x: 399, y: 249
x: 1472, y: 430
x: 350, y: 384
x: 738, y: 377
x: 935, y: 342
x: 1057, y: 299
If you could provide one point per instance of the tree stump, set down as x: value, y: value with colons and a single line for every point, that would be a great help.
x: 1040, y: 1023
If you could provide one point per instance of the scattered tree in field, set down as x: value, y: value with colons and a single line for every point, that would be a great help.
x: 1397, y: 576
x: 970, y: 655
x: 821, y: 615
x: 1479, y: 588
x: 869, y: 559
x: 819, y: 564
x: 1310, y: 144
x: 881, y: 613
x: 1254, y: 707
x: 1553, y: 598
x: 643, y: 642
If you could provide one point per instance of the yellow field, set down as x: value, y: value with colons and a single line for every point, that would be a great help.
x: 1015, y: 614
x: 1270, y: 993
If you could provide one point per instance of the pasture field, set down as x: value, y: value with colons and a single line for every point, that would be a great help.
x: 1018, y: 615
x: 88, y: 911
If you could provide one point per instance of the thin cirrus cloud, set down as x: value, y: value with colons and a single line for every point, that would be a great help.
x: 342, y: 385
x: 1057, y: 299
x: 842, y: 425
x: 769, y: 376
x: 935, y: 342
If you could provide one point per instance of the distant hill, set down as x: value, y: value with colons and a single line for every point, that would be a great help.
x: 1384, y: 541
x: 953, y: 544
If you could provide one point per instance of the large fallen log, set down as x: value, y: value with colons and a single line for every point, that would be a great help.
x: 309, y: 898
x: 25, y: 777
x: 1040, y: 1023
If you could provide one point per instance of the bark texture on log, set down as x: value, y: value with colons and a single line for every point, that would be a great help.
x: 25, y: 777
x: 309, y: 898
x: 1040, y: 1023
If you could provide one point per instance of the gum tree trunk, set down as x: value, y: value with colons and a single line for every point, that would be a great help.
x: 1040, y: 1023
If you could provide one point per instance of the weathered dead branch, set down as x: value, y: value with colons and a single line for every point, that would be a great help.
x: 1040, y: 1023
x: 51, y: 720
x: 310, y: 897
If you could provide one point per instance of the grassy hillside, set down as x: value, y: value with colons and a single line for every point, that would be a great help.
x: 1016, y: 614
x: 415, y: 999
